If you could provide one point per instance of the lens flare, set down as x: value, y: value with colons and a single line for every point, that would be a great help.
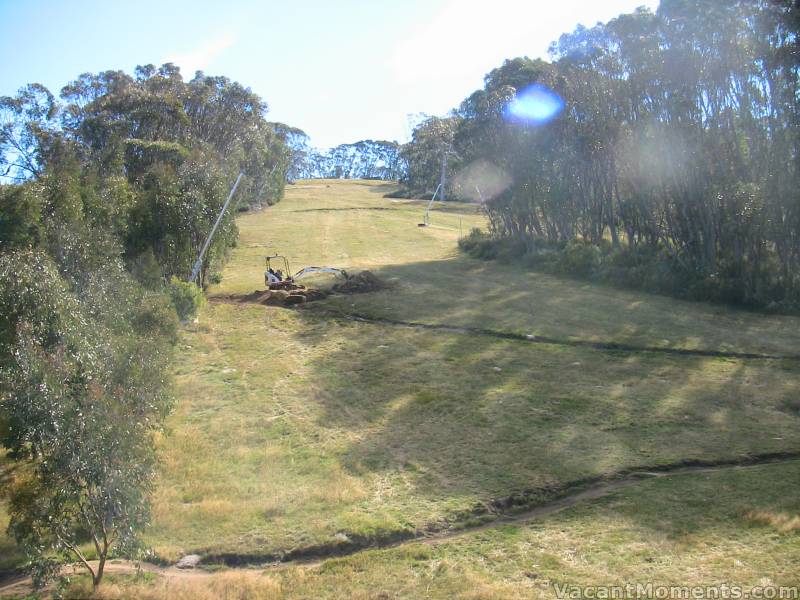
x: 480, y: 181
x: 535, y: 104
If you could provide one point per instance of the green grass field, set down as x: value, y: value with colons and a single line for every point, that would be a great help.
x: 298, y: 427
x: 293, y: 427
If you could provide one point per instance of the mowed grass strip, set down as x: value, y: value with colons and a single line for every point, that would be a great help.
x: 692, y: 530
x: 345, y: 224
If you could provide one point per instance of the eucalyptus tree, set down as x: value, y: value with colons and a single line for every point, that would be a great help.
x: 679, y: 140
x: 27, y: 121
x: 117, y: 185
x: 83, y: 383
x: 430, y: 146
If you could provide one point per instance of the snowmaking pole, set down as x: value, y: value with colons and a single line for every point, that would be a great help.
x: 426, y: 220
x: 439, y: 189
x: 444, y: 173
x: 199, y: 262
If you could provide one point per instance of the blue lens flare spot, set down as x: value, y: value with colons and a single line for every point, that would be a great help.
x: 535, y: 104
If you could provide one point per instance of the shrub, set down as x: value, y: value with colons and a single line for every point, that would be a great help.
x: 480, y: 244
x: 82, y: 392
x: 186, y: 297
x: 154, y: 315
x: 646, y: 268
x: 580, y: 258
x: 146, y: 270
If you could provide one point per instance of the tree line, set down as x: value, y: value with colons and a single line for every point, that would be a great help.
x: 108, y: 194
x: 365, y: 159
x: 674, y: 164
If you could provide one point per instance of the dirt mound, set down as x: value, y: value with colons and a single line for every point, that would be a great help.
x: 257, y: 297
x: 313, y: 294
x: 363, y: 282
x: 296, y: 294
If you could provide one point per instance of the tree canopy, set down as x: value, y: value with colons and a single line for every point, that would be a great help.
x: 676, y: 144
x: 112, y: 191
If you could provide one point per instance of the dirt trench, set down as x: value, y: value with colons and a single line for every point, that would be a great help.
x: 540, y: 339
x: 516, y: 508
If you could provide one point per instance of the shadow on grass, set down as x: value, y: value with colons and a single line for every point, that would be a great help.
x: 341, y: 208
x: 446, y: 420
x: 464, y: 419
x: 462, y: 208
x: 464, y: 292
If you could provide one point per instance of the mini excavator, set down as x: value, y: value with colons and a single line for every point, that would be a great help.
x: 278, y: 275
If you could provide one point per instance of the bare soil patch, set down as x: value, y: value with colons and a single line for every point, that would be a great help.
x: 361, y: 283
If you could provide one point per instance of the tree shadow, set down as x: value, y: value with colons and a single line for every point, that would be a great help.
x: 339, y: 208
x: 460, y: 418
x: 466, y: 292
x: 681, y: 505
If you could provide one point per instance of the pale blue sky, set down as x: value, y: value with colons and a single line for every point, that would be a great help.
x: 342, y: 70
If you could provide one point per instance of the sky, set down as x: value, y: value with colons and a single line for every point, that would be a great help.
x: 341, y: 70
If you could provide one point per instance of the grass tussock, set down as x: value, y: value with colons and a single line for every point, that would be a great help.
x: 781, y: 521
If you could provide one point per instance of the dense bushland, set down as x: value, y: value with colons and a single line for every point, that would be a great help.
x: 109, y: 195
x: 676, y: 156
x: 158, y: 153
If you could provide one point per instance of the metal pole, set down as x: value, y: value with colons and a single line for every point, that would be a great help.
x: 427, y: 210
x: 199, y: 262
x: 444, y: 171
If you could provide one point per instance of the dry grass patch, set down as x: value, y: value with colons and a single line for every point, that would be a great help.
x: 242, y: 585
x: 683, y: 530
x: 782, y: 522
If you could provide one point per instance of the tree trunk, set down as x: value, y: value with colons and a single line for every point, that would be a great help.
x: 98, y: 575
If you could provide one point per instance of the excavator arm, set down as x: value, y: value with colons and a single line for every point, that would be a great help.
x: 309, y: 270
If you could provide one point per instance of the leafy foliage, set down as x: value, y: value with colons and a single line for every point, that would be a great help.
x: 431, y: 143
x: 186, y: 298
x: 678, y: 141
x: 365, y: 159
x: 83, y: 393
x: 118, y: 188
